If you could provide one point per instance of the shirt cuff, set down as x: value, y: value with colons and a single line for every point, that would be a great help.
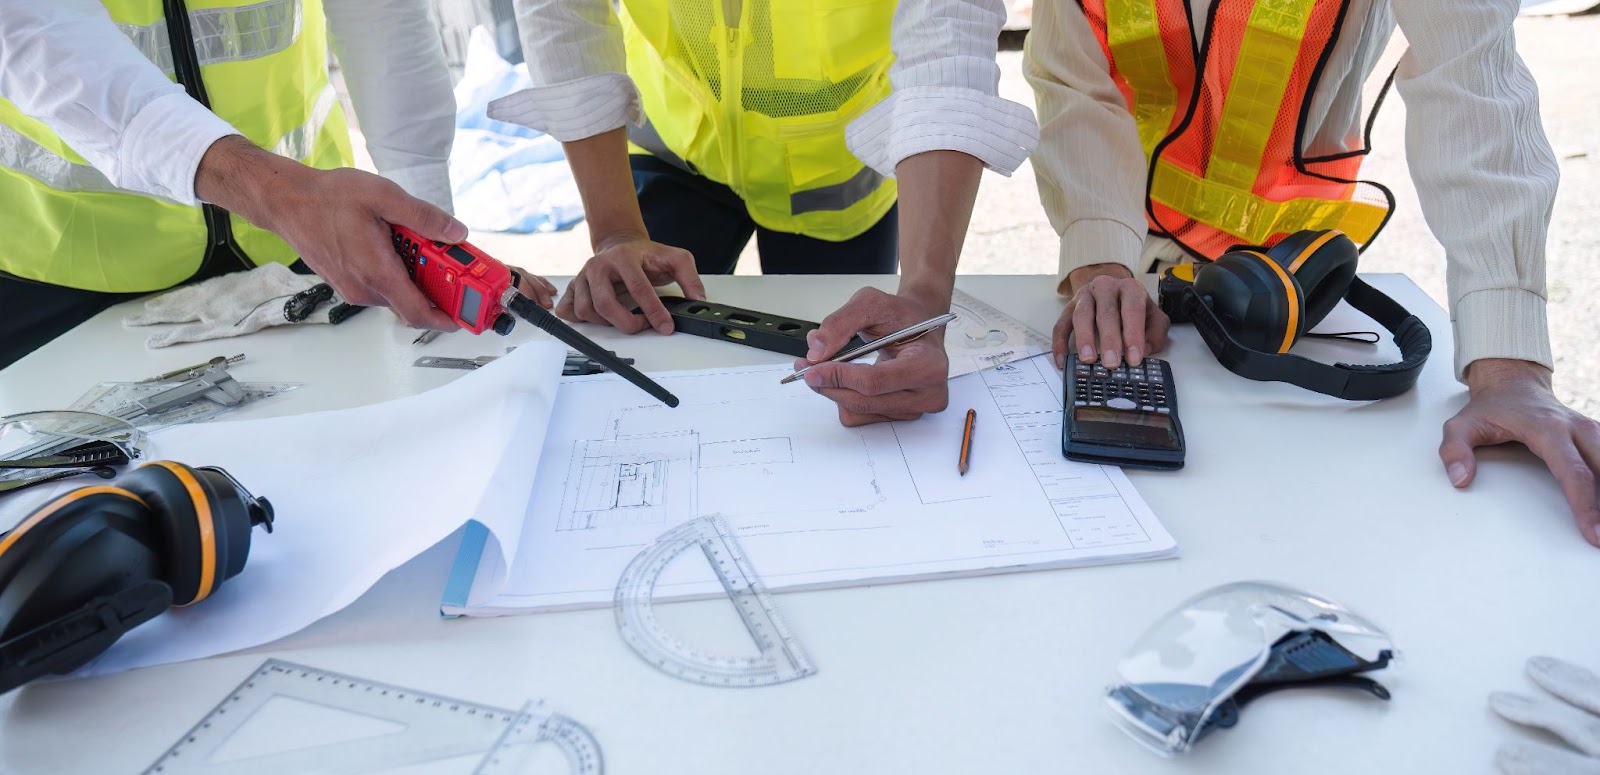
x: 575, y: 110
x: 919, y: 119
x: 162, y: 147
x: 429, y: 182
x: 1501, y: 323
x: 1097, y: 241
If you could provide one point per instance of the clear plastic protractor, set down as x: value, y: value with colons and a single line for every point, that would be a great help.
x: 537, y: 728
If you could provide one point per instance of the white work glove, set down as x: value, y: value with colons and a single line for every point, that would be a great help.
x: 231, y: 305
x: 1576, y: 721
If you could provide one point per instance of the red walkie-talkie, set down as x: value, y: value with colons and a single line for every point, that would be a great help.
x: 476, y: 290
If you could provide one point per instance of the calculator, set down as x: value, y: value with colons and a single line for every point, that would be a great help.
x: 1127, y: 416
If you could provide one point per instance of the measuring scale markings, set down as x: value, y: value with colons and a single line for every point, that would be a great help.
x: 535, y: 725
x: 782, y: 657
x: 261, y: 728
x: 983, y: 336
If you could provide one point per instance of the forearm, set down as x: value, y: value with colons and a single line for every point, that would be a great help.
x: 937, y: 190
x: 605, y: 182
x: 248, y: 181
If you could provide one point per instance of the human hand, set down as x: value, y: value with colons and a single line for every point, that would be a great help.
x: 337, y: 220
x: 635, y: 265
x: 1510, y: 401
x: 535, y: 287
x: 1113, y: 316
x: 1575, y: 720
x: 908, y: 379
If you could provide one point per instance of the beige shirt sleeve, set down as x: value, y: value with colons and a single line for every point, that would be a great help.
x: 1090, y: 167
x: 1484, y: 171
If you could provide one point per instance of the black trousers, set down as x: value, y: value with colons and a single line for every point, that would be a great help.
x: 32, y: 314
x: 710, y: 221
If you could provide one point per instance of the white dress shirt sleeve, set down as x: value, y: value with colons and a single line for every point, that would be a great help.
x: 1090, y: 166
x: 579, y: 71
x: 946, y: 91
x: 65, y: 63
x: 1484, y: 172
x: 394, y: 69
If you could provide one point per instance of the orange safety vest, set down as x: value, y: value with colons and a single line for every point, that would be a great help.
x: 1222, y: 127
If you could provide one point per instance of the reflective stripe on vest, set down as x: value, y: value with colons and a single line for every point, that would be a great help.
x: 1223, y: 144
x: 264, y: 65
x: 756, y: 95
x: 223, y: 34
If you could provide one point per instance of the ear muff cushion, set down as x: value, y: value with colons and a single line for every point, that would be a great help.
x: 181, y: 510
x: 1256, y: 299
x: 230, y: 516
x: 1324, y: 263
x: 91, y: 542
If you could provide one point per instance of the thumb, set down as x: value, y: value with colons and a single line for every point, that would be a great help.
x: 836, y: 329
x: 425, y: 219
x: 1461, y: 435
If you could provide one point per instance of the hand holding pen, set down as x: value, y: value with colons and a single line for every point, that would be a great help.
x: 909, y: 377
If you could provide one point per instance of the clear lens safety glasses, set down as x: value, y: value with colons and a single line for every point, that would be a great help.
x: 39, y: 447
x: 1192, y: 671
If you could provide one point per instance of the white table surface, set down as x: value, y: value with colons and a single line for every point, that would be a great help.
x: 1000, y: 674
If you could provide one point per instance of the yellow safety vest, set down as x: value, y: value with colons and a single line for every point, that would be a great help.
x: 261, y: 65
x: 756, y: 94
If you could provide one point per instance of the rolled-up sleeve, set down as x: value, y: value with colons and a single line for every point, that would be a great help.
x: 946, y: 91
x: 578, y: 66
x: 65, y: 64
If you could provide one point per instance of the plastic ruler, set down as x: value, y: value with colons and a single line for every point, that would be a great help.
x: 782, y: 657
x: 982, y: 336
x: 119, y: 399
x: 537, y: 724
x: 289, y: 718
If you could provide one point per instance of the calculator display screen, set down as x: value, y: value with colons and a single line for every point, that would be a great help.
x: 1132, y: 428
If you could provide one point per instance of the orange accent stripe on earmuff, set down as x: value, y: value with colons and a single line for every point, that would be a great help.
x: 60, y: 503
x: 1311, y: 249
x: 202, y: 515
x: 1294, y: 301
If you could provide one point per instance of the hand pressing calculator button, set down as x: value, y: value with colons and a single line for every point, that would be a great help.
x: 1123, y: 416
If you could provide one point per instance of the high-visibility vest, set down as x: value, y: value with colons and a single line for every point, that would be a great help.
x: 263, y: 66
x: 756, y: 94
x: 1223, y: 138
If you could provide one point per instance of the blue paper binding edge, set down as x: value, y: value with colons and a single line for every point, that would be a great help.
x: 459, y: 585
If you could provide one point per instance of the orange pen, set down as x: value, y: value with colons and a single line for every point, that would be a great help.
x: 966, y: 441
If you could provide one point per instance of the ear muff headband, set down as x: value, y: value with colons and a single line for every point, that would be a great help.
x: 59, y: 504
x: 1352, y: 382
x: 1310, y: 250
x: 204, y: 524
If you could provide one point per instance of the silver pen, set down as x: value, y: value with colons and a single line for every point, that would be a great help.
x: 899, y: 337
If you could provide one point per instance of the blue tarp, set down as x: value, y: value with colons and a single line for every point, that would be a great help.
x: 505, y: 177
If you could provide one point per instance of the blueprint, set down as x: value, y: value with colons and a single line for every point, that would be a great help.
x: 814, y: 503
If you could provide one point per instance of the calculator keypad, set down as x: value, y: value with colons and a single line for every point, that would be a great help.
x: 1142, y: 387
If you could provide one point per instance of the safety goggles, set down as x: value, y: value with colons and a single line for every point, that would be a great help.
x: 63, y: 444
x: 1192, y: 671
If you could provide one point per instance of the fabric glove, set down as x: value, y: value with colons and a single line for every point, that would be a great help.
x: 231, y: 305
x: 1575, y: 720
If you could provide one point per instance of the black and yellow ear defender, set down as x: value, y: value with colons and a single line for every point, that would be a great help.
x: 83, y: 569
x: 1252, y: 304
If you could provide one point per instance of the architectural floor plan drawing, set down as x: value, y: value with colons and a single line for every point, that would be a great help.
x: 814, y: 503
x: 629, y: 480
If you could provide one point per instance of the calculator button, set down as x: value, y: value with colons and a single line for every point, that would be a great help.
x: 1121, y: 403
x: 1163, y: 410
x: 1147, y: 408
x: 1080, y: 402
